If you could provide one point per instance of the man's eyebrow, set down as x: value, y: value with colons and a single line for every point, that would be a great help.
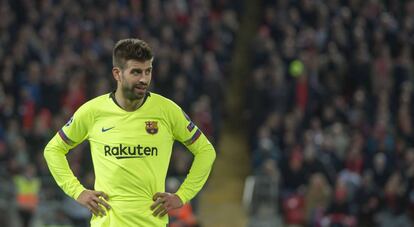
x: 140, y: 69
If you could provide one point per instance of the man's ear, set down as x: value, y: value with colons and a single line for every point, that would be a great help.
x: 116, y: 73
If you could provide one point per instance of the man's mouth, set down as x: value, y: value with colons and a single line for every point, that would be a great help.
x: 140, y: 88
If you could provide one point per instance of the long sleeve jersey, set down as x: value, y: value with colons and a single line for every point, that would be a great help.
x: 130, y: 152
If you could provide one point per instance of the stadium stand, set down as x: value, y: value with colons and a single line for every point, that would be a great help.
x: 330, y: 110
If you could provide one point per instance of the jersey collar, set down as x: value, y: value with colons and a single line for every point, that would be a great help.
x: 112, y: 96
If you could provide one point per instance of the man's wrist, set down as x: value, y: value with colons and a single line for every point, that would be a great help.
x: 78, y: 191
x: 181, y: 197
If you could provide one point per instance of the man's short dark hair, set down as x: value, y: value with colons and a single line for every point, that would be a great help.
x: 130, y: 49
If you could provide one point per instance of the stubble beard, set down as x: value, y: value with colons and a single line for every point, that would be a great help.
x: 129, y: 92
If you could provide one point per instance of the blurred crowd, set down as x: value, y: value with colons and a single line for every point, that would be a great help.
x: 329, y: 99
x: 330, y: 105
x: 57, y: 54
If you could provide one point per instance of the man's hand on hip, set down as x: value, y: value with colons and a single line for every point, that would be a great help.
x: 164, y: 202
x: 94, y: 200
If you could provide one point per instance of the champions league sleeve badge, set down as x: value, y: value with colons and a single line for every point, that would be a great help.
x: 69, y: 122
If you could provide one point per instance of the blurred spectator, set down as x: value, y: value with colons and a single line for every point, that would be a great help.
x: 312, y: 164
x: 266, y: 149
x: 368, y: 199
x: 317, y: 198
x: 270, y: 170
x: 27, y: 187
x: 293, y: 172
x: 381, y: 170
x: 395, y: 203
x: 339, y: 212
x: 293, y: 210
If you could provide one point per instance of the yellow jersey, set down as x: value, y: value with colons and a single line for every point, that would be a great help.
x: 130, y: 152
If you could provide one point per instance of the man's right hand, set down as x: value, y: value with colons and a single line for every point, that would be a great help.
x: 94, y: 200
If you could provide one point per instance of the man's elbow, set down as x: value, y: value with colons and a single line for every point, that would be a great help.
x: 52, y: 149
x: 212, y: 154
x: 47, y: 152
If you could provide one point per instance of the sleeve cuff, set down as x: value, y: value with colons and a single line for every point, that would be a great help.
x: 78, y: 191
x: 181, y: 196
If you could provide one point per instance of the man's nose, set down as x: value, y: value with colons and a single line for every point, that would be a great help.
x: 143, y: 79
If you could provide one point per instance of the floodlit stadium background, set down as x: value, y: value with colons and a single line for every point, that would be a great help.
x: 308, y: 102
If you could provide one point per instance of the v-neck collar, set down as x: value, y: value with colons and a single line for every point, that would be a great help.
x: 112, y: 96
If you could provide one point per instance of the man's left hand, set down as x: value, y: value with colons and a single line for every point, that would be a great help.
x: 165, y: 202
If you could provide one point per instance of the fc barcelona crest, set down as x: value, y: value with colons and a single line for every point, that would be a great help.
x: 151, y: 127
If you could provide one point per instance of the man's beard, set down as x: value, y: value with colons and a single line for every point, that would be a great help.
x: 130, y: 92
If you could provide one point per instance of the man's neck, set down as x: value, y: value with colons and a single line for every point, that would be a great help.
x: 126, y: 104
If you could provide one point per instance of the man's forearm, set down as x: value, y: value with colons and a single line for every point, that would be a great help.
x: 199, y: 171
x: 55, y: 155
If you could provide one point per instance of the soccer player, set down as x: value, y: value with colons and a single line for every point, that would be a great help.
x: 131, y: 133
